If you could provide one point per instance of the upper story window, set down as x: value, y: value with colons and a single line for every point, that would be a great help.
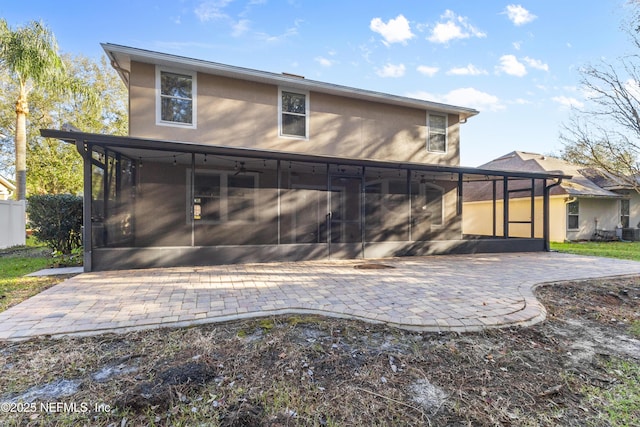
x: 294, y: 108
x: 437, y: 133
x: 176, y: 103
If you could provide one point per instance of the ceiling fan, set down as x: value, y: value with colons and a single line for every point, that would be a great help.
x: 243, y: 169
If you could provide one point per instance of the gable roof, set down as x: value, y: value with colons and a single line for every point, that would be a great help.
x: 583, y: 182
x: 121, y: 57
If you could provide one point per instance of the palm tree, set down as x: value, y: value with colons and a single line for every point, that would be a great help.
x: 30, y: 55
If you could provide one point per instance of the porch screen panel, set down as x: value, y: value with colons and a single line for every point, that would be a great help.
x: 303, y: 203
x: 160, y: 216
x: 346, y: 209
x: 120, y: 187
x: 482, y: 211
x: 386, y: 206
x: 235, y: 201
x: 97, y: 198
x: 433, y: 199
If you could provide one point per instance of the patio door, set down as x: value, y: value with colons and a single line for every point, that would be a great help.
x: 345, y: 217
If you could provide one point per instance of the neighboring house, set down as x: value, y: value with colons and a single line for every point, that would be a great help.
x: 590, y: 205
x: 6, y: 188
x: 226, y: 164
x: 12, y: 216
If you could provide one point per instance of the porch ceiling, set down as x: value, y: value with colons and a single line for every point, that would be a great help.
x: 140, y: 148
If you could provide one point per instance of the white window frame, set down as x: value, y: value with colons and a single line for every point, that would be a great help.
x: 194, y: 98
x: 306, y: 110
x: 446, y: 133
x: 628, y: 215
x: 576, y: 215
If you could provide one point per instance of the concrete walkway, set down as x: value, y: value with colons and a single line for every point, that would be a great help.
x: 439, y: 293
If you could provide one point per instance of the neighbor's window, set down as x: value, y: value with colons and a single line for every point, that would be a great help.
x: 624, y: 213
x: 573, y: 219
x: 293, y: 114
x: 176, y: 104
x: 437, y: 138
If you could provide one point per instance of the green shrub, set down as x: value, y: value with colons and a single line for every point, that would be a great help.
x: 57, y: 220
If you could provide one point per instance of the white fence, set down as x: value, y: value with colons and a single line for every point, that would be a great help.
x: 12, y: 223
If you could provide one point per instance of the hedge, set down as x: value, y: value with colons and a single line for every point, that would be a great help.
x: 57, y: 220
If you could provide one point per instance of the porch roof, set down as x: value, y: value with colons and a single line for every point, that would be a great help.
x: 81, y: 139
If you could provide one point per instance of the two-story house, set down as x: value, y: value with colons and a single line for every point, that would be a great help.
x: 225, y: 164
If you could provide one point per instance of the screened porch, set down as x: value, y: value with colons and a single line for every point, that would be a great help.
x: 160, y: 203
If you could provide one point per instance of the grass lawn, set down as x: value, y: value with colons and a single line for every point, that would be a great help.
x: 14, y: 264
x: 621, y: 250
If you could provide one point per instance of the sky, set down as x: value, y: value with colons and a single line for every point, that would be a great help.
x: 518, y: 63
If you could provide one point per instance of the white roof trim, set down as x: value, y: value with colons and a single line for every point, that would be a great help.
x: 121, y: 57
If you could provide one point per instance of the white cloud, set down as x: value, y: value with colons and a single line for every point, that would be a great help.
x: 633, y: 88
x: 519, y: 15
x: 468, y: 97
x: 324, y: 61
x: 289, y: 32
x: 396, y: 30
x: 452, y: 27
x: 509, y: 64
x: 211, y: 10
x: 240, y: 27
x: 521, y: 101
x: 517, y: 45
x: 476, y: 99
x: 427, y: 70
x: 567, y: 102
x: 391, y: 70
x: 469, y: 70
x: 536, y: 63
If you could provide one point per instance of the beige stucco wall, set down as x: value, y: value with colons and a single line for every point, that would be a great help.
x: 604, y: 212
x: 239, y: 113
x: 477, y: 217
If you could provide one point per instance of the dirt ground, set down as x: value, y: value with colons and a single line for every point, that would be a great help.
x: 580, y: 367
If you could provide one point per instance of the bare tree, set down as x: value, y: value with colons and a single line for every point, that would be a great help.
x: 606, y: 133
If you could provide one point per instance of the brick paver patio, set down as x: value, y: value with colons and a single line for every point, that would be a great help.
x: 438, y: 293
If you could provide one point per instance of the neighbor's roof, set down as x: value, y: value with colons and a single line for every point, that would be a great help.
x: 121, y: 57
x: 579, y: 185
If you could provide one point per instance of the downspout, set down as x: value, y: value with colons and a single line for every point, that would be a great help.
x: 545, y: 227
